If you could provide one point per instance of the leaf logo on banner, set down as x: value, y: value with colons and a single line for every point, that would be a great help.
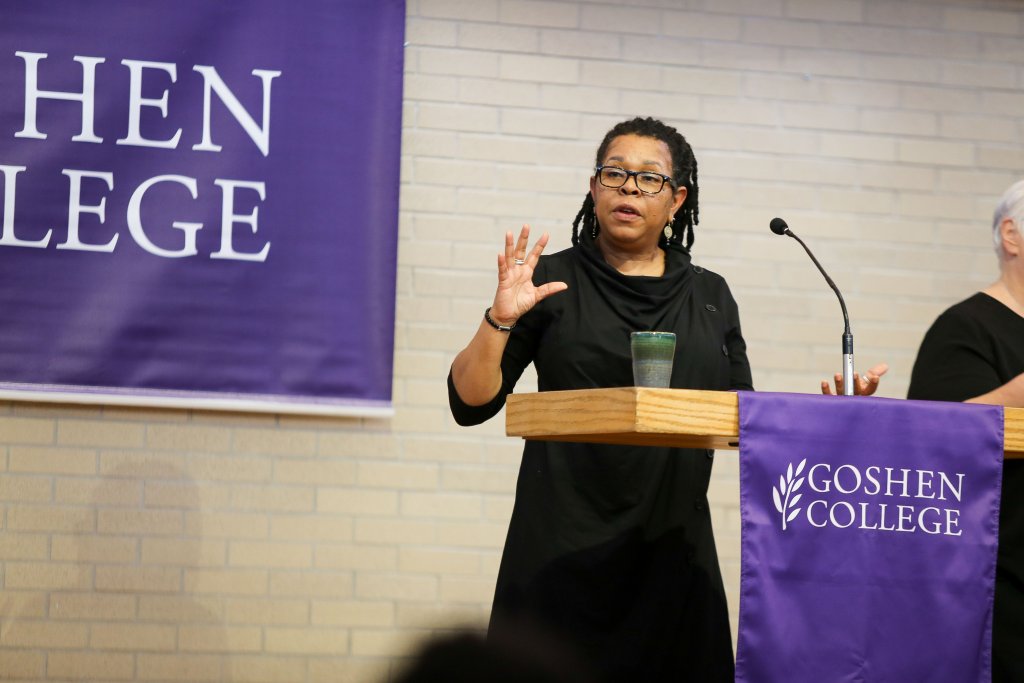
x: 786, y: 496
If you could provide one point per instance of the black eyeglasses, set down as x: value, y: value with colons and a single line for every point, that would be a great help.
x: 647, y: 182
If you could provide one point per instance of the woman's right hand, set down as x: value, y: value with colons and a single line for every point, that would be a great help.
x: 516, y: 293
x: 476, y: 370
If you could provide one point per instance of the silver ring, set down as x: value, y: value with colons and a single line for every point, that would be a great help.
x: 520, y: 261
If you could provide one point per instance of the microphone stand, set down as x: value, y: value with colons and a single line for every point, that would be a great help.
x: 779, y: 227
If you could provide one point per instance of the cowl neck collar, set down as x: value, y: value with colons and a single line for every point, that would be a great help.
x: 642, y: 294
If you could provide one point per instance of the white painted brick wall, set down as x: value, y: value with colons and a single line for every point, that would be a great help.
x: 168, y: 545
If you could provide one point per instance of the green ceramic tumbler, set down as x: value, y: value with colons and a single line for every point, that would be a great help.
x: 652, y: 358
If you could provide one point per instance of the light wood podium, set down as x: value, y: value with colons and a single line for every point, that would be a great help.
x: 656, y: 417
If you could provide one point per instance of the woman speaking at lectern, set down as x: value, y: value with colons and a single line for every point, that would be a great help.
x: 610, y: 547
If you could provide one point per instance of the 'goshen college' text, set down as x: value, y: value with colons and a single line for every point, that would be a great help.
x: 940, y: 516
x: 137, y: 73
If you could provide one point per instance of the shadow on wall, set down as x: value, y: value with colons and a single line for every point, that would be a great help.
x: 117, y: 603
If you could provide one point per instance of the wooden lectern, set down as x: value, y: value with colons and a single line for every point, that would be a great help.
x: 656, y: 417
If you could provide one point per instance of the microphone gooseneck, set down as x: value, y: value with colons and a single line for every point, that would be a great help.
x: 779, y: 227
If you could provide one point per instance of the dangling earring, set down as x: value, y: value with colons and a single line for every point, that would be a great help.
x: 593, y: 230
x: 668, y: 230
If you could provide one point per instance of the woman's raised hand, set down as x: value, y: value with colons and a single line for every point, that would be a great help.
x: 516, y: 292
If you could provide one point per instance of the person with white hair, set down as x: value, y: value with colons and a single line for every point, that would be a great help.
x: 974, y: 352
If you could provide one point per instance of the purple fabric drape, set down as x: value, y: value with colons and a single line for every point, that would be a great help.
x: 869, y: 539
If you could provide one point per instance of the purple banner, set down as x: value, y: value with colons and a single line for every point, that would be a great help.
x: 200, y: 201
x: 869, y: 539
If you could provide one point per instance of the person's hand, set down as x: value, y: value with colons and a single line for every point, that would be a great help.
x: 516, y: 292
x: 862, y: 385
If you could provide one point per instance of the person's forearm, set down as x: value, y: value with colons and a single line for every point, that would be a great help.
x: 476, y: 371
x: 1010, y: 394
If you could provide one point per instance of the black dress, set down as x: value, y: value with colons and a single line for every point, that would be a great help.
x: 975, y: 347
x: 610, y: 547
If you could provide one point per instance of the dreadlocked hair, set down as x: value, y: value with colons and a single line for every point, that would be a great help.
x: 684, y: 174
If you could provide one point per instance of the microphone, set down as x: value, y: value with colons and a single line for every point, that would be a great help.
x: 779, y: 227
